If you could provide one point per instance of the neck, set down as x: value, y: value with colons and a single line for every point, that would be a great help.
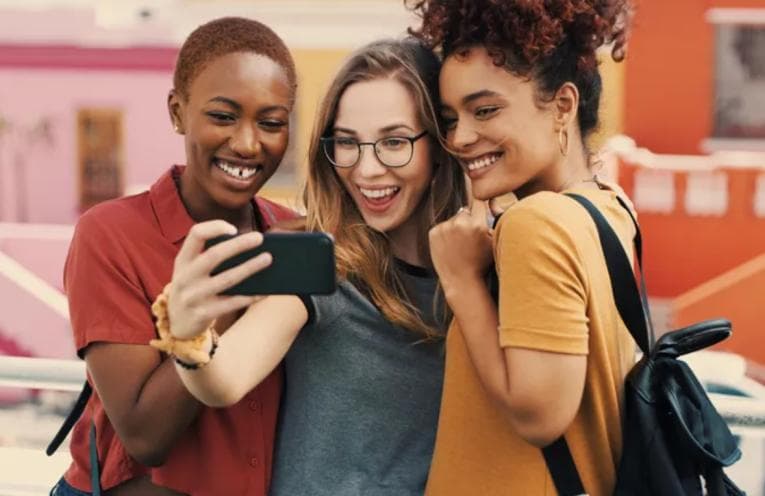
x: 405, y: 242
x: 568, y: 171
x: 202, y: 208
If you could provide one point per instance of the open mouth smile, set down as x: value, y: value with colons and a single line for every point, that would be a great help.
x: 237, y: 170
x: 482, y: 162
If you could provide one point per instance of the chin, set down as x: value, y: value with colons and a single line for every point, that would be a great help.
x: 485, y: 194
x: 381, y: 227
x: 488, y: 190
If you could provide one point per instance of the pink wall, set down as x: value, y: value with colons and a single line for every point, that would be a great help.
x: 38, y: 170
x: 33, y: 326
x: 47, y: 187
x: 25, y: 321
x: 44, y: 257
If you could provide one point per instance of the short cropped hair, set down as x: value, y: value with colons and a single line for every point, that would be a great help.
x: 226, y: 35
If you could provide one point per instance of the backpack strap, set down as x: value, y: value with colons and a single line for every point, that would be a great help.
x: 71, y: 419
x: 95, y: 469
x: 632, y: 304
x: 562, y: 468
x: 66, y: 427
x: 638, y: 241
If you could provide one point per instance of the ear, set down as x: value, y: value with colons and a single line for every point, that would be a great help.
x: 565, y: 105
x: 174, y: 108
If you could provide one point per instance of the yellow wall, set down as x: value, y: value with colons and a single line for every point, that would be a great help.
x: 315, y: 70
x: 612, y: 100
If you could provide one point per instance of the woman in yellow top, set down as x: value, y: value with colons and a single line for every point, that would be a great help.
x: 520, y: 90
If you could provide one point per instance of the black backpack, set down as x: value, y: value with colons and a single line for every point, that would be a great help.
x: 672, y: 434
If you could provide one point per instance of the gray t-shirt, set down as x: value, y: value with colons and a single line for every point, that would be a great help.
x: 360, y: 406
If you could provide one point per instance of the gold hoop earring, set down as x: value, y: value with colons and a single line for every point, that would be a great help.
x: 563, y: 142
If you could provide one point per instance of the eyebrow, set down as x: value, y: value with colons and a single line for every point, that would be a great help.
x: 343, y: 130
x: 237, y: 106
x: 393, y: 127
x: 386, y: 129
x: 478, y: 94
x: 227, y: 101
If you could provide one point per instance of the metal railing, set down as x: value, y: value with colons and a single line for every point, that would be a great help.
x: 745, y: 416
x: 41, y: 373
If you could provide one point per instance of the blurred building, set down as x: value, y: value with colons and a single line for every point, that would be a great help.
x: 83, y: 87
x: 694, y: 104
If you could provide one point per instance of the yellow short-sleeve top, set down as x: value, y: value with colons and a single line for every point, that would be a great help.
x: 554, y: 295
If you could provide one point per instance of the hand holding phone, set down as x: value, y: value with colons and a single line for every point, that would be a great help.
x: 302, y: 263
x: 194, y: 300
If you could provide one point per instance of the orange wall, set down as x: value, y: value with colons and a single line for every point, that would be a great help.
x: 737, y: 296
x: 683, y: 251
x: 670, y: 72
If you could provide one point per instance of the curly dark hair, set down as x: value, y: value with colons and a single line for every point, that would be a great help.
x: 228, y: 35
x: 551, y: 41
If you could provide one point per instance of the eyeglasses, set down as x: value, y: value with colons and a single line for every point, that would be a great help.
x: 391, y: 151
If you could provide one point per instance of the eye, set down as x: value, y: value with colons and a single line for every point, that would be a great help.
x: 449, y: 122
x: 393, y: 143
x: 345, y: 142
x: 222, y: 117
x: 272, y: 125
x: 483, y: 113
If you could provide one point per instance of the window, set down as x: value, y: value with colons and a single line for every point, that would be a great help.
x: 100, y: 155
x: 739, y: 79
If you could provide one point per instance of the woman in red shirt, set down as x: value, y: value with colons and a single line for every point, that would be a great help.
x: 233, y: 90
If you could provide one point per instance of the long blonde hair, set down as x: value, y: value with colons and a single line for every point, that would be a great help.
x: 363, y: 254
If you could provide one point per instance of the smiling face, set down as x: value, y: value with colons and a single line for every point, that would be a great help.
x: 235, y: 120
x: 386, y: 197
x: 505, y: 140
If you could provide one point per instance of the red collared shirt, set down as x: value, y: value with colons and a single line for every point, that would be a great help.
x: 120, y: 258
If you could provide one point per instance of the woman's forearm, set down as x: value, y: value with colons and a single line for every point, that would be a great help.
x: 248, y: 352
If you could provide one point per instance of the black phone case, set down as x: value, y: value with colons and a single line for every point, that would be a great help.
x: 303, y: 264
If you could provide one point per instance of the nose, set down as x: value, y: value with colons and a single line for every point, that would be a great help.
x: 369, y: 165
x: 461, y: 137
x: 245, y: 140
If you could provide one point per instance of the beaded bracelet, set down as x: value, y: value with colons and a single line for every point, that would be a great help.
x: 188, y: 353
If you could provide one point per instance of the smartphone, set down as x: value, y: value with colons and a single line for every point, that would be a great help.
x: 303, y: 263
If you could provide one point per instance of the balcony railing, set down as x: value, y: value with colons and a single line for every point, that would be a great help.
x: 33, y: 473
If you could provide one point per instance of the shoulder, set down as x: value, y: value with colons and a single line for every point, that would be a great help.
x: 347, y: 302
x: 544, y: 213
x: 123, y: 215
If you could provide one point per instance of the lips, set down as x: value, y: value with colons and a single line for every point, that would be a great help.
x: 378, y: 199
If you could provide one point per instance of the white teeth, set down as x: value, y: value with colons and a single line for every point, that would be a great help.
x: 378, y: 193
x: 237, y: 172
x: 483, y: 161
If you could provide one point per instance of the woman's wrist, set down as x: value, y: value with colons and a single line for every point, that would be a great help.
x: 191, y: 352
x: 460, y: 291
x: 192, y: 357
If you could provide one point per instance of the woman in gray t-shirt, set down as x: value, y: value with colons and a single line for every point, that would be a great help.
x: 364, y: 365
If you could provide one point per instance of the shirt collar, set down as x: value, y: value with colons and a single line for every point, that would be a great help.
x: 174, y: 220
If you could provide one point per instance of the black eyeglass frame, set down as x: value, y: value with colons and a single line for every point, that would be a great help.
x: 331, y: 139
